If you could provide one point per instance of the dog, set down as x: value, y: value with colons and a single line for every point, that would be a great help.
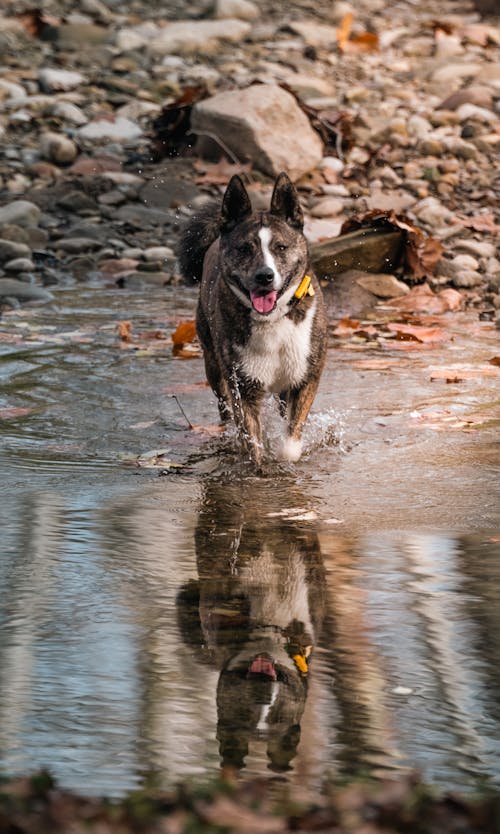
x: 260, y: 317
x: 255, y: 612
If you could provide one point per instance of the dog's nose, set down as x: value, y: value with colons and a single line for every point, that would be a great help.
x: 264, y: 276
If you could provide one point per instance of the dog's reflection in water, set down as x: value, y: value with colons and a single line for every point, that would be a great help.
x: 255, y: 612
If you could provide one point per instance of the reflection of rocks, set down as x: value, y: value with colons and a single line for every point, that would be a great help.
x: 259, y: 603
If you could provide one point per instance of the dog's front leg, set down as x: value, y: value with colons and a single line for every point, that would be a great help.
x: 246, y: 410
x: 300, y: 402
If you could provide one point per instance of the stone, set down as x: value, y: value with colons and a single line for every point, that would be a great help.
x: 448, y: 46
x: 58, y: 148
x: 461, y: 148
x: 253, y: 123
x: 480, y: 248
x: 239, y: 9
x: 472, y: 111
x: 476, y: 94
x: 158, y: 253
x: 185, y: 37
x: 58, y: 80
x: 418, y: 126
x: 69, y: 112
x: 10, y: 90
x: 117, y: 129
x: 10, y: 249
x: 76, y: 245
x: 13, y: 288
x: 316, y: 34
x: 432, y: 212
x: 77, y: 202
x: 449, y: 73
x: 19, y: 265
x: 327, y: 207
x: 21, y: 213
x: 466, y: 278
x: 383, y: 285
x: 464, y: 262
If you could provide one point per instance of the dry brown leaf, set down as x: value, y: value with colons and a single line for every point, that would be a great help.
x: 418, y: 332
x: 495, y: 361
x: 364, y: 42
x: 124, y: 331
x: 374, y: 364
x: 346, y: 327
x: 422, y: 299
x: 480, y: 223
x: 35, y: 21
x: 184, y: 333
x: 459, y: 374
x: 344, y: 30
x: 185, y: 388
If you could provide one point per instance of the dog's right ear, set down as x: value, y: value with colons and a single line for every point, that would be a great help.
x: 236, y: 205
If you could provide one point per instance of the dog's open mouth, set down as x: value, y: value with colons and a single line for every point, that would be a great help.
x: 263, y: 302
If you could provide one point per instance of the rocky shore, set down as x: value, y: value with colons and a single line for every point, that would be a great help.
x: 119, y: 119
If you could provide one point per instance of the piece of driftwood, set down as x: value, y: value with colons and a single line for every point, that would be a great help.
x: 369, y: 250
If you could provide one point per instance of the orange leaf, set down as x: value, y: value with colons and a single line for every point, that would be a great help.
x: 344, y: 30
x: 416, y: 331
x: 364, y: 42
x: 124, y: 333
x: 185, y: 332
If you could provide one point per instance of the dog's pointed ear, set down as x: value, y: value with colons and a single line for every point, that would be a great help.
x: 285, y: 201
x: 236, y: 205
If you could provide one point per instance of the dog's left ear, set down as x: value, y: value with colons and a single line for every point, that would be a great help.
x: 236, y: 205
x: 285, y: 202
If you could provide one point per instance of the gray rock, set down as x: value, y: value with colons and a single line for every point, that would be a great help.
x: 58, y: 148
x: 253, y: 123
x: 239, y: 9
x: 140, y: 216
x: 316, y: 34
x: 327, y: 207
x: 479, y: 248
x: 9, y: 250
x: 78, y: 202
x: 190, y: 36
x: 451, y: 72
x: 20, y: 212
x: 69, y: 112
x: 117, y: 129
x: 158, y: 253
x: 466, y: 278
x: 12, y: 288
x: 168, y: 193
x: 19, y: 265
x: 76, y: 245
x: 56, y: 80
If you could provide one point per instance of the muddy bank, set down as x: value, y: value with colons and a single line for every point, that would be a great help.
x: 37, y: 806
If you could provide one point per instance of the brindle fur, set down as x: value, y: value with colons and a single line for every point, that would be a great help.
x: 223, y: 249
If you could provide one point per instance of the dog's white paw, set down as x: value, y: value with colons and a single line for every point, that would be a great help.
x: 291, y: 449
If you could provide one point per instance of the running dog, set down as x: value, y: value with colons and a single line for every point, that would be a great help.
x: 260, y: 317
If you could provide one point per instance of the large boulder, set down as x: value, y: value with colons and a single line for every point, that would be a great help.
x: 262, y: 123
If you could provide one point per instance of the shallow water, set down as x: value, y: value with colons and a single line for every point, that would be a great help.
x: 340, y: 616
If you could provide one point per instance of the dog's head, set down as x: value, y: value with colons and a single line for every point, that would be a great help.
x: 264, y: 254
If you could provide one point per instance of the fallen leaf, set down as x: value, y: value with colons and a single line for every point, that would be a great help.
x: 10, y: 413
x: 346, y: 327
x: 422, y: 299
x: 36, y: 22
x: 364, y: 42
x: 185, y: 388
x: 374, y: 364
x: 344, y: 30
x: 211, y: 429
x: 459, y: 374
x: 480, y: 223
x: 124, y: 328
x: 495, y: 360
x: 185, y: 332
x: 418, y: 332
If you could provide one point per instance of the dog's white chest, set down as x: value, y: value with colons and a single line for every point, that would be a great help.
x: 277, y: 352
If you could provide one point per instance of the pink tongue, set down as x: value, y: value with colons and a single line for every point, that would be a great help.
x: 264, y: 303
x: 262, y: 666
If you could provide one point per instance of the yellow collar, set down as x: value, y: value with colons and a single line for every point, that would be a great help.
x: 304, y: 288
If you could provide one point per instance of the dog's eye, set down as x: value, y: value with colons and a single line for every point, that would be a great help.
x: 244, y: 249
x: 281, y: 247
